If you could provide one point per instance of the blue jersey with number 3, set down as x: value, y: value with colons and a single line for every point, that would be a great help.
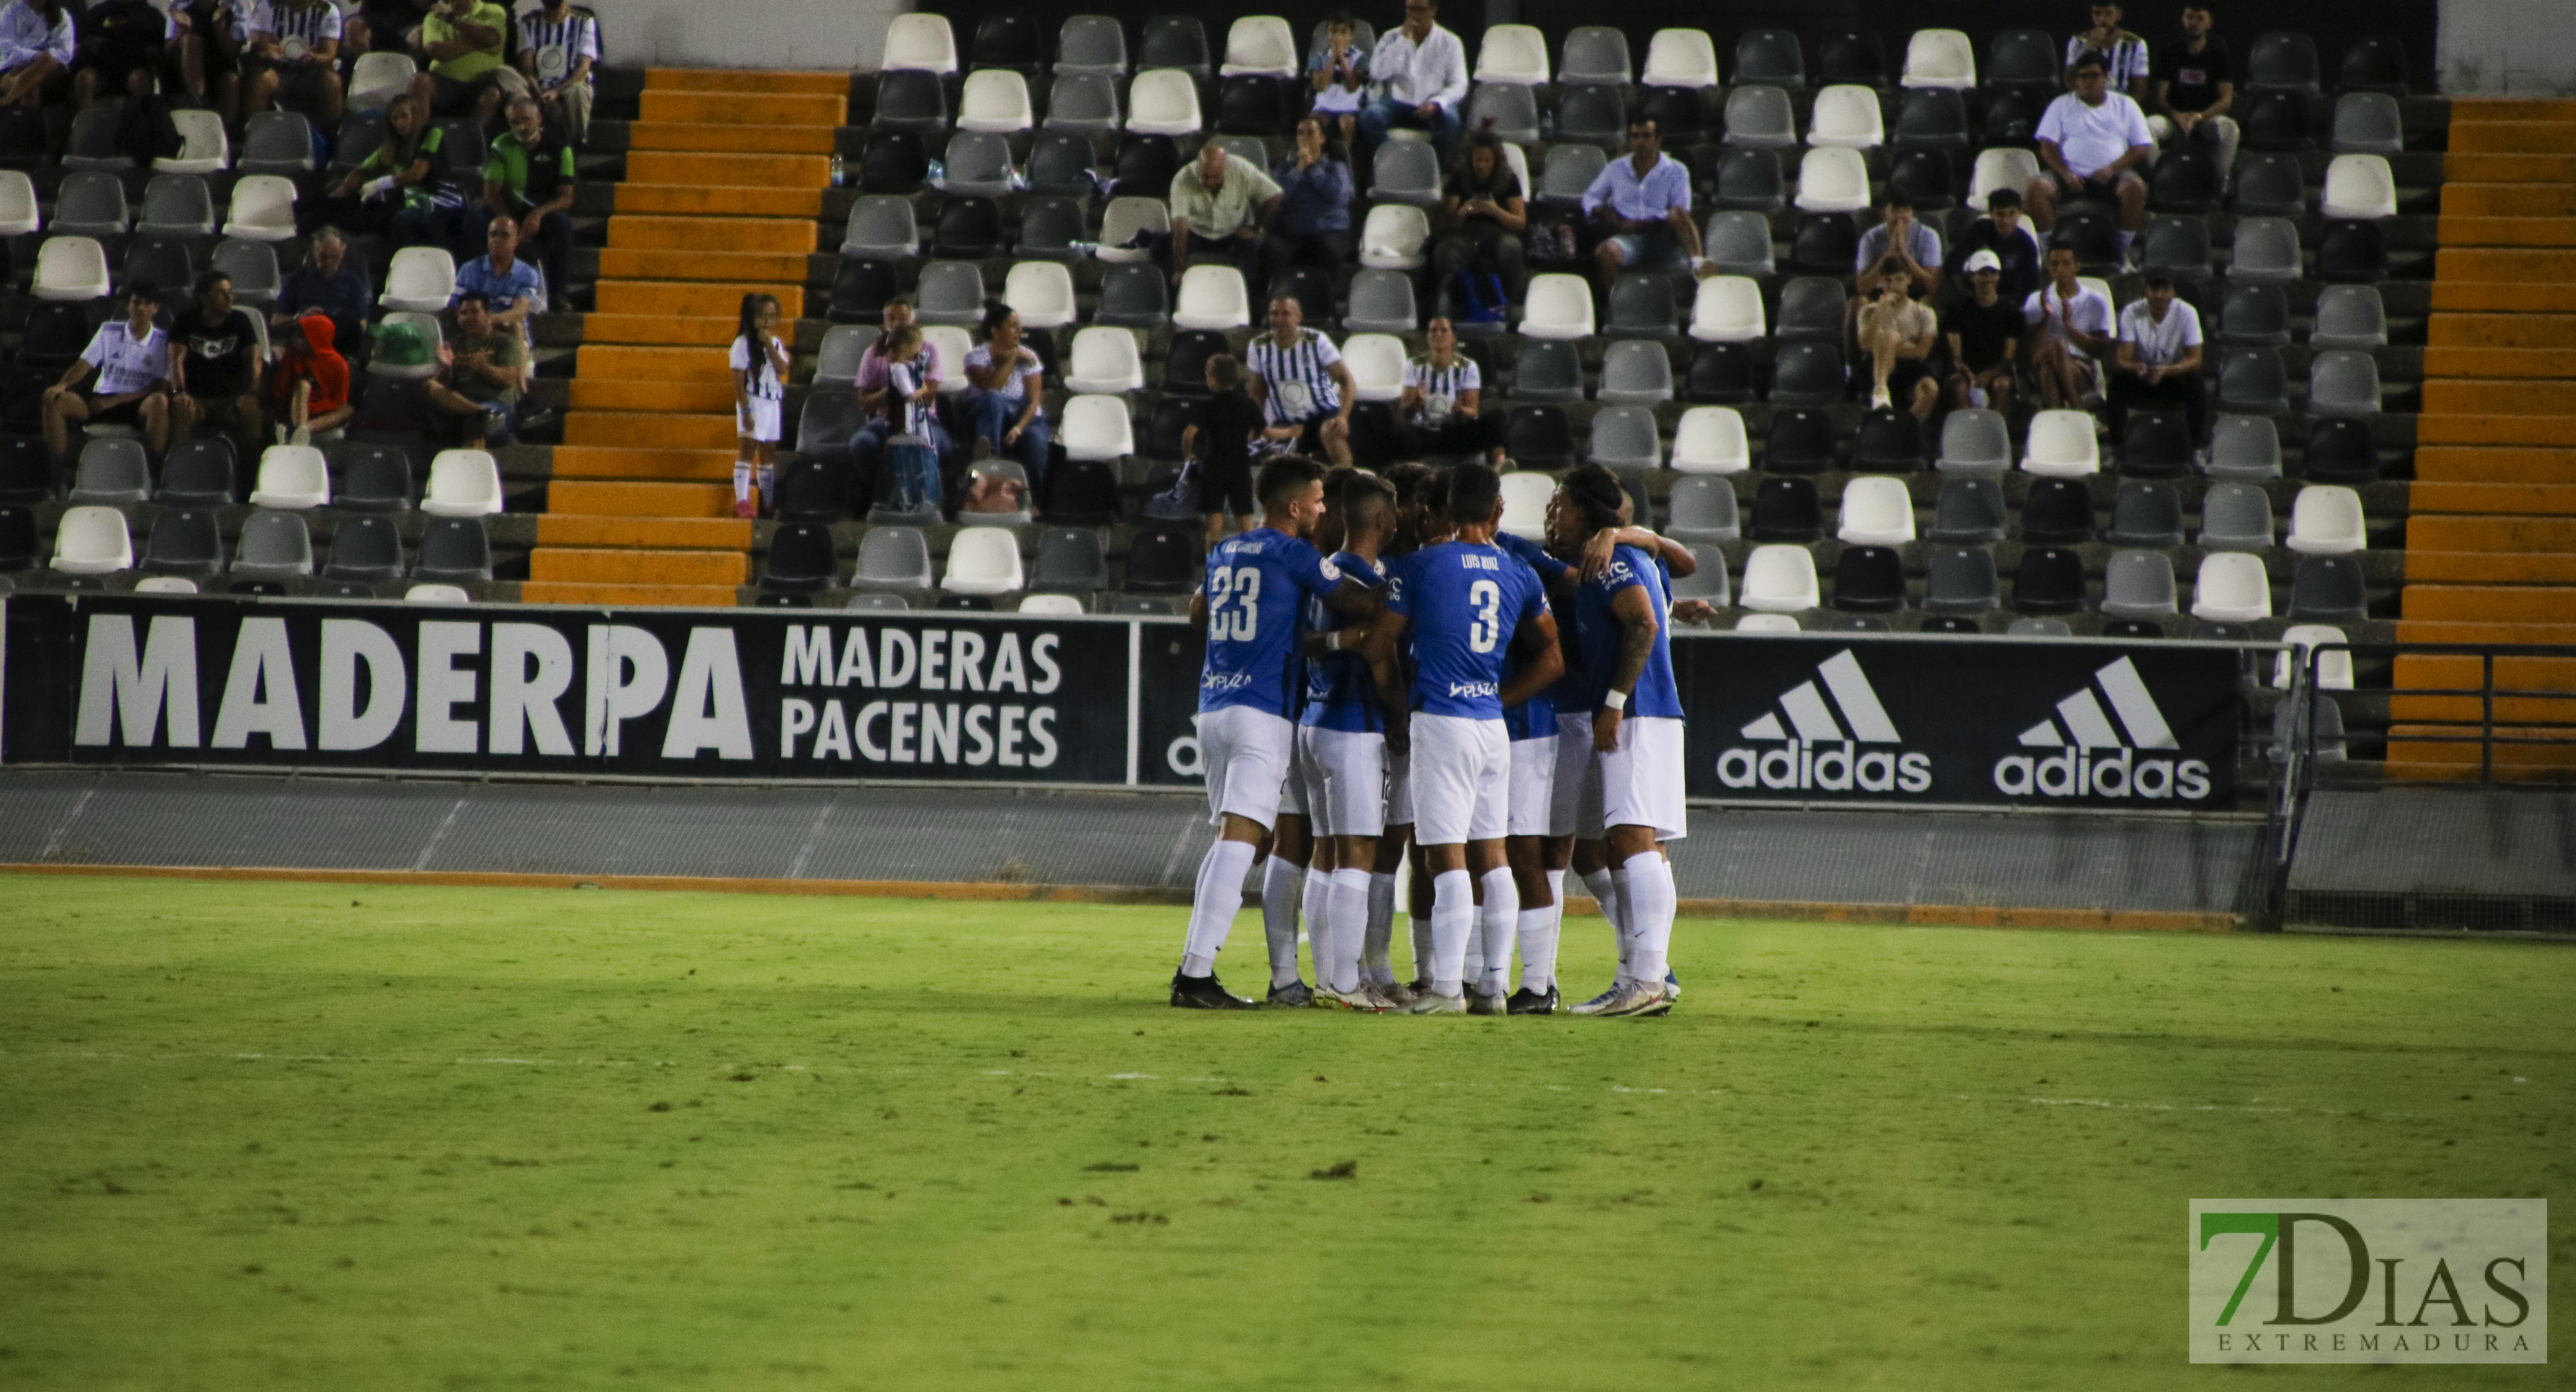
x: 1466, y: 600
x: 1257, y: 585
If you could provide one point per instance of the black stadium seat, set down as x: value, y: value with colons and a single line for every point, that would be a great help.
x: 2352, y: 253
x: 1081, y: 493
x: 2278, y: 122
x: 2050, y: 581
x: 1175, y: 41
x: 893, y: 162
x: 1926, y: 177
x: 1537, y: 437
x: 1185, y: 362
x: 1769, y: 58
x: 2186, y: 180
x: 19, y: 541
x: 2057, y: 512
x: 2374, y: 65
x: 2341, y: 450
x: 1890, y: 441
x: 970, y: 229
x: 1163, y: 560
x: 1006, y: 41
x: 1786, y: 509
x: 1680, y: 117
x: 1826, y: 244
x: 1799, y: 442
x: 2012, y: 115
x: 799, y: 559
x: 813, y: 491
x: 1254, y: 105
x: 1932, y: 118
x: 2024, y: 59
x: 2282, y: 62
x: 1148, y: 162
x: 1869, y: 580
x: 1721, y: 374
x: 1807, y: 374
x: 860, y: 290
x: 26, y: 475
x: 1855, y: 58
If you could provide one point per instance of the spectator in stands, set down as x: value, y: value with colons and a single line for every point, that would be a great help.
x: 386, y: 26
x: 1441, y: 411
x: 294, y: 51
x: 2196, y: 88
x: 510, y: 286
x: 131, y: 357
x: 205, y: 39
x: 908, y: 428
x: 37, y: 50
x: 870, y: 381
x: 215, y: 364
x: 1984, y: 333
x: 558, y: 47
x: 466, y: 76
x: 122, y: 44
x: 2123, y: 54
x: 481, y: 371
x: 528, y: 180
x: 1218, y: 207
x: 1304, y: 391
x: 330, y: 282
x: 1420, y: 73
x: 1899, y: 243
x: 2158, y: 362
x: 308, y: 392
x: 2002, y: 234
x: 1483, y: 215
x: 1313, y: 225
x: 1643, y: 206
x: 1338, y: 72
x: 1896, y: 333
x: 2069, y: 329
x: 2091, y: 142
x: 758, y: 359
x: 402, y: 187
x: 1005, y: 384
x: 1221, y: 445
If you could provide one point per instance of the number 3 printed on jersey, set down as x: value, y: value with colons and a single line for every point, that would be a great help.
x: 1240, y: 588
x: 1487, y: 599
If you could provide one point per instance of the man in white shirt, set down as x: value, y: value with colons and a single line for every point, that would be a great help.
x: 2070, y: 330
x: 132, y: 359
x: 2159, y: 363
x: 1419, y: 72
x: 2092, y: 142
x: 1642, y: 205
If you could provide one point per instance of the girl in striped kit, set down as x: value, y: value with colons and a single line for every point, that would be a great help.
x: 759, y: 363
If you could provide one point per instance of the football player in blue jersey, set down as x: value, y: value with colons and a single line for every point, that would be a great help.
x: 1472, y: 611
x: 1341, y: 747
x: 1252, y: 603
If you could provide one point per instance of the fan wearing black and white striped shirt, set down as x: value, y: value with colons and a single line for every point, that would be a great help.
x: 1440, y: 411
x: 294, y: 51
x: 1297, y: 378
x: 558, y: 47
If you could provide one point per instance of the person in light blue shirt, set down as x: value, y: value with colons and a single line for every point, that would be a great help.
x: 37, y: 45
x: 1644, y: 203
x: 514, y: 288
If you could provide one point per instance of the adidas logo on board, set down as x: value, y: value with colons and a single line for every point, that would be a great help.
x: 1838, y: 739
x: 2091, y: 757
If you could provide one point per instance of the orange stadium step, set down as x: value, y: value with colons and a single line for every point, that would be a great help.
x: 2451, y: 631
x: 2515, y: 200
x: 619, y: 264
x: 2476, y: 263
x: 2527, y: 330
x: 2524, y: 604
x: 691, y: 167
x: 749, y: 82
x: 671, y: 533
x: 704, y: 234
x: 690, y: 500
x: 652, y: 364
x: 632, y: 566
x: 659, y: 465
x: 2486, y: 397
x: 2473, y: 464
x: 761, y: 140
x: 642, y: 430
x: 2442, y: 429
x: 2508, y: 169
x: 666, y: 300
x: 2552, y: 231
x: 2429, y: 670
x: 2513, y: 109
x: 2478, y: 136
x: 2525, y: 499
x: 698, y: 108
x: 2495, y: 535
x: 718, y: 201
x: 2489, y: 567
x: 627, y: 596
x: 706, y: 331
x: 2502, y: 297
x: 2521, y: 363
x: 620, y: 395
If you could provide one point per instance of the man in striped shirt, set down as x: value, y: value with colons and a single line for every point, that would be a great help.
x: 1439, y: 412
x: 1304, y: 391
x: 558, y: 46
x: 2124, y: 55
x: 294, y: 51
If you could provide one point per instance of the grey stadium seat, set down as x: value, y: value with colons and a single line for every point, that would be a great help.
x: 90, y: 203
x: 2235, y: 517
x: 1511, y: 108
x: 1134, y: 295
x: 1709, y: 582
x: 112, y: 471
x: 2367, y: 123
x: 1547, y: 369
x: 1968, y: 512
x: 1069, y: 561
x: 2138, y: 585
x: 176, y: 205
x: 1636, y: 371
x: 1811, y: 311
x: 1759, y: 118
x: 2267, y: 248
x: 1962, y: 580
x: 1704, y: 508
x: 2350, y: 316
x: 1570, y: 169
x: 1623, y: 438
x: 276, y: 142
x: 1406, y: 171
x: 365, y: 548
x: 2252, y: 382
x: 881, y: 228
x: 2244, y: 447
x: 274, y: 546
x: 1082, y: 104
x: 950, y: 292
x: 2145, y: 514
x: 1739, y: 243
x: 2343, y: 382
x: 2255, y: 315
x: 1382, y: 302
x: 979, y: 164
x: 893, y: 558
x: 454, y: 549
x: 1750, y: 180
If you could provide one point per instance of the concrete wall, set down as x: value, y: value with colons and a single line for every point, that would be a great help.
x: 2508, y: 48
x: 807, y: 34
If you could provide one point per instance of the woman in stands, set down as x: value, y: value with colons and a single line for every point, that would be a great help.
x: 1004, y: 386
x: 37, y: 46
x: 1484, y: 214
x: 759, y: 390
x: 401, y: 188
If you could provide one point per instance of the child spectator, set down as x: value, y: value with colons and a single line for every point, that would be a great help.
x: 911, y: 406
x: 759, y: 363
x: 309, y: 392
x: 1339, y: 73
x: 1221, y: 446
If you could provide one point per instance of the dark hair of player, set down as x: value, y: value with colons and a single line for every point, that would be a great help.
x: 1285, y: 477
x: 1475, y: 494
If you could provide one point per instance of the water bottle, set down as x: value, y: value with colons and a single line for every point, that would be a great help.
x: 840, y: 170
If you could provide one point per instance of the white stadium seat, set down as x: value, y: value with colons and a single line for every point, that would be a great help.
x: 2326, y: 520
x: 1097, y: 427
x: 1877, y: 511
x: 1728, y: 309
x: 1376, y: 362
x: 421, y: 278
x: 1103, y: 361
x: 71, y: 268
x: 1847, y: 116
x: 1940, y: 58
x: 995, y: 99
x: 1780, y: 580
x: 1525, y: 500
x: 983, y: 560
x: 920, y: 42
x: 1260, y: 46
x: 292, y: 477
x: 1710, y: 440
x: 2061, y: 445
x: 1832, y: 179
x: 462, y: 483
x: 92, y: 541
x: 1680, y: 58
x: 1212, y: 297
x: 2232, y: 588
x: 1041, y: 292
x: 1163, y: 101
x: 1514, y: 54
x: 263, y: 208
x: 1393, y: 237
x: 1557, y: 306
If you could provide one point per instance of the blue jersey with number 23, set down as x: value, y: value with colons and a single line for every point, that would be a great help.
x: 1257, y: 585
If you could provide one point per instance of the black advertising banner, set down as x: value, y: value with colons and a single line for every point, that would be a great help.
x: 1170, y: 657
x: 1961, y: 720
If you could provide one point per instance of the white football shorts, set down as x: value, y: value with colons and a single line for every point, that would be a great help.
x: 1345, y: 779
x: 1399, y: 788
x: 1641, y: 780
x: 1462, y: 780
x: 1245, y: 753
x: 1533, y: 785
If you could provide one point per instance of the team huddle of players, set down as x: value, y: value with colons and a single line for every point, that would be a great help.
x: 1388, y: 675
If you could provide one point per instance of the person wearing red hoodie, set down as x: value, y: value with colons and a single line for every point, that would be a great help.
x: 309, y: 391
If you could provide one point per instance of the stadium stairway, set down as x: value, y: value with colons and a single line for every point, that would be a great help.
x: 725, y: 174
x: 2491, y: 540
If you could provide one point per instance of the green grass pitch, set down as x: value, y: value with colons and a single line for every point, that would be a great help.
x: 312, y: 1136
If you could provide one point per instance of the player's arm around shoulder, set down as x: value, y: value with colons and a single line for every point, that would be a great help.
x: 1541, y: 660
x: 1638, y: 624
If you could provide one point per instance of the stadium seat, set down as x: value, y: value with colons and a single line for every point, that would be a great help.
x: 1623, y: 438
x: 1175, y: 41
x: 1832, y: 180
x: 2057, y: 512
x: 2138, y: 584
x: 1382, y: 302
x: 293, y: 477
x: 1052, y: 605
x: 462, y: 483
x: 195, y: 473
x: 1507, y: 111
x: 1091, y: 43
x: 1801, y: 441
x: 2027, y: 59
x: 1680, y: 58
x: 2035, y: 626
x: 995, y: 99
x: 1248, y: 107
x: 1525, y: 501
x: 799, y: 559
x: 1594, y: 53
x: 1890, y: 441
x: 2185, y: 180
x: 263, y: 209
x: 979, y: 166
x: 1393, y: 237
x: 20, y: 214
x: 1739, y: 244
x: 2235, y: 517
x: 1049, y: 229
x: 2333, y: 669
x: 2145, y: 514
x: 2277, y: 122
x: 1641, y: 306
x: 1082, y: 493
x: 2270, y: 186
x: 1163, y: 101
x: 1727, y: 309
x: 983, y: 561
x: 2343, y: 382
x: 911, y: 102
x: 1570, y: 169
x: 2367, y: 123
x: 1846, y: 117
x: 1547, y: 369
x: 1080, y: 104
x: 1786, y: 509
x: 1124, y: 220
x: 2282, y: 62
x: 2231, y: 588
x: 1876, y: 512
x: 1185, y: 361
x: 92, y: 541
x: 2252, y: 382
x: 1041, y: 293
x: 436, y: 594
x: 1779, y: 580
x: 2353, y: 253
x: 1097, y: 427
x: 92, y: 143
x: 1406, y: 171
x: 1770, y: 58
x: 422, y: 280
x: 2256, y: 314
x: 1005, y: 41
x: 1708, y: 583
x: 176, y: 205
x: 1933, y: 118
x: 1747, y: 180
x: 2359, y: 186
x: 1260, y: 46
x: 1811, y: 310
x: 920, y: 42
x: 1826, y: 244
x: 1212, y: 297
x: 1538, y: 437
x: 1711, y: 440
x: 2340, y: 450
x: 1939, y: 58
x: 1104, y: 361
x: 2007, y: 169
x: 365, y: 548
x: 1513, y: 53
x: 112, y: 471
x: 1703, y: 508
x: 1968, y: 512
x: 2350, y: 316
x: 2326, y: 520
x: 860, y: 290
x: 159, y: 261
x: 1961, y: 580
x: 1593, y: 115
x: 2060, y: 445
x: 2050, y: 580
x: 2013, y: 115
x: 1867, y: 580
x: 2156, y: 445
x: 1557, y: 306
x: 184, y: 541
x: 2176, y: 246
x: 1925, y: 176
x: 274, y: 546
x: 378, y: 78
x: 1807, y: 374
x: 881, y: 228
x: 893, y: 558
x: 2244, y: 447
x: 91, y: 203
x: 2374, y: 64
x: 1376, y: 362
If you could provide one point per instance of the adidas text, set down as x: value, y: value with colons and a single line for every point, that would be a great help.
x: 1832, y: 768
x: 2091, y: 758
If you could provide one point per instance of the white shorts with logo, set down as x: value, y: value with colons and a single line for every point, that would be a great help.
x: 1345, y: 779
x: 1533, y: 785
x: 1399, y: 788
x: 757, y: 420
x: 1574, y: 801
x: 1246, y: 754
x: 1641, y: 780
x: 1462, y: 780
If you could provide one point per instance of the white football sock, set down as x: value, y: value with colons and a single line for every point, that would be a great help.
x: 1621, y: 906
x: 1215, y: 901
x: 1651, y: 902
x: 1453, y: 917
x: 1537, y: 932
x: 1421, y: 929
x: 1500, y: 917
x: 1346, y: 916
x: 1310, y: 908
x: 1374, y: 948
x: 1279, y: 917
x: 742, y: 481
